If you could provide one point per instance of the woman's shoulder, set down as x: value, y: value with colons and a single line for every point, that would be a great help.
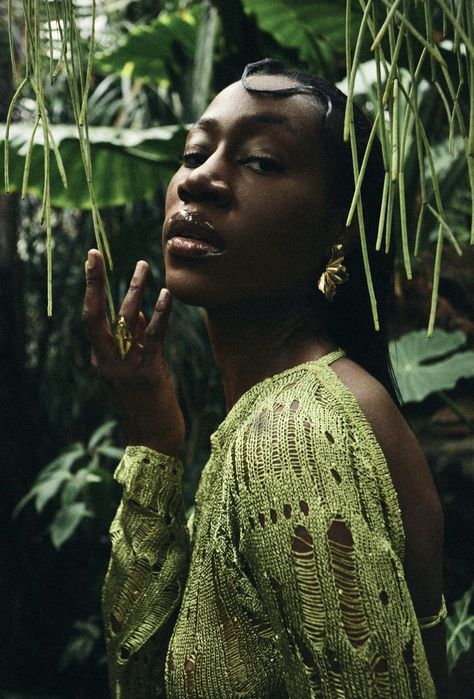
x: 409, y: 471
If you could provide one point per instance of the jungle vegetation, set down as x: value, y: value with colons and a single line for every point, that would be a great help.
x: 99, y: 99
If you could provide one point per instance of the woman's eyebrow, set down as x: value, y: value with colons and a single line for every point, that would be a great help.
x: 211, y: 124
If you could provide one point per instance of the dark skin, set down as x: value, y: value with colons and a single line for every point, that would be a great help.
x: 255, y: 169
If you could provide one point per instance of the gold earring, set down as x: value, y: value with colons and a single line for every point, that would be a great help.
x: 334, y: 274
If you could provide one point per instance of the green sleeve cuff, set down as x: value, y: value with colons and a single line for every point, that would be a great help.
x: 152, y: 479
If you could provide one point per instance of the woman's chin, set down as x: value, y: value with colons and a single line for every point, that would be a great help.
x: 189, y: 291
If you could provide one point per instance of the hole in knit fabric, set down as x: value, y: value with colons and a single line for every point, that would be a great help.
x: 189, y: 670
x: 304, y: 507
x: 341, y: 547
x: 170, y: 662
x: 382, y: 679
x: 335, y: 674
x: 295, y: 405
x: 386, y: 518
x: 309, y: 589
x: 226, y: 609
x: 336, y: 475
x: 124, y: 653
x: 115, y: 624
x: 261, y: 519
x: 311, y: 670
x: 409, y: 658
x: 274, y: 583
x: 273, y: 515
x: 277, y: 409
x: 333, y: 660
x: 287, y: 511
x: 137, y: 579
x: 383, y: 598
x: 329, y: 437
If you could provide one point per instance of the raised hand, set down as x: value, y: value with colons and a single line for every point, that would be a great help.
x: 140, y: 385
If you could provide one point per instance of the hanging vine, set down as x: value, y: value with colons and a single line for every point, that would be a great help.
x: 51, y: 29
x: 394, y: 28
x: 390, y: 24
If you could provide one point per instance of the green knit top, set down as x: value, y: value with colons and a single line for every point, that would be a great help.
x: 288, y: 579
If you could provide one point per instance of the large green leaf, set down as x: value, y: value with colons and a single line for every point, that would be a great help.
x: 66, y: 522
x: 127, y: 164
x: 154, y: 52
x: 424, y: 365
x: 315, y: 29
x: 460, y: 628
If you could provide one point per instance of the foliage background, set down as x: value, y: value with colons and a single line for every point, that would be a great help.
x: 156, y: 65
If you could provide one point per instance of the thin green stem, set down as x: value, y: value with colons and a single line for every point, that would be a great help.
x: 26, y: 170
x: 363, y: 168
x: 394, y: 64
x: 389, y: 220
x: 385, y: 25
x: 436, y: 275
x: 355, y: 65
x: 403, y: 224
x: 348, y: 23
x: 448, y: 230
x: 394, y: 133
x: 90, y: 63
x: 419, y: 226
x: 433, y: 50
x: 383, y: 209
x: 458, y: 27
x: 363, y: 239
x: 448, y: 115
x: 6, y: 157
x: 10, y: 43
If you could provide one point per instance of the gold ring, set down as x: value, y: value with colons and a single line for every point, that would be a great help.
x: 123, y: 337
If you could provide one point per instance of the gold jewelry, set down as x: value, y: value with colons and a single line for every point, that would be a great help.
x: 427, y: 622
x: 123, y: 337
x: 334, y: 274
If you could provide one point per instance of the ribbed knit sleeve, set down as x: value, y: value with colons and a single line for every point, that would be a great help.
x: 322, y: 539
x: 146, y: 574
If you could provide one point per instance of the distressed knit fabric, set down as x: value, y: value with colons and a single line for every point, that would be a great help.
x: 290, y: 581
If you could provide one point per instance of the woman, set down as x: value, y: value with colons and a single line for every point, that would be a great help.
x: 314, y: 568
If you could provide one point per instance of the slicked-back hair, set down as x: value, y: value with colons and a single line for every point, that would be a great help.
x: 349, y: 316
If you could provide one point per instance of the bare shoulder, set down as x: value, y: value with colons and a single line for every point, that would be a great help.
x: 404, y: 456
x: 419, y: 502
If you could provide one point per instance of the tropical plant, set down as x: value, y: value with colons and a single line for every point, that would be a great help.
x: 68, y: 480
x: 413, y: 44
x: 136, y: 110
x: 423, y: 366
x: 460, y: 628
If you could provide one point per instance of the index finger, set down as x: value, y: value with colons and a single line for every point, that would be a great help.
x: 93, y: 311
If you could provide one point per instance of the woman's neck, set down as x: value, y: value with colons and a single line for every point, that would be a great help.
x: 252, y: 342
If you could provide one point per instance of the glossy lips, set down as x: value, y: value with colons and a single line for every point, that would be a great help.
x: 190, y: 235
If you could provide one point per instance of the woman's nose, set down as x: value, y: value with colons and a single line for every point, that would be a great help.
x: 204, y: 185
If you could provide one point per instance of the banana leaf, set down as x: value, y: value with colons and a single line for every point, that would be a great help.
x: 127, y: 164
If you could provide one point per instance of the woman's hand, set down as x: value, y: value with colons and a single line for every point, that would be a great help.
x: 140, y: 384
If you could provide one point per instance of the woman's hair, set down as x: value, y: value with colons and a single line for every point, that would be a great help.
x: 349, y: 315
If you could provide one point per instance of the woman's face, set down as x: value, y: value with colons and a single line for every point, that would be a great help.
x: 247, y: 214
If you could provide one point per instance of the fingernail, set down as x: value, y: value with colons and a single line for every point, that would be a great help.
x: 90, y: 261
x: 163, y: 300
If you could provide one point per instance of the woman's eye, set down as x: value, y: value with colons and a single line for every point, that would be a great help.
x: 262, y: 163
x: 192, y: 159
